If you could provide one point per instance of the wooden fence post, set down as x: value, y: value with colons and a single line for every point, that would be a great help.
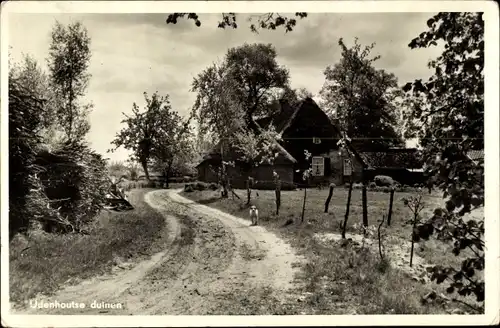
x: 347, y: 209
x: 304, y: 204
x: 277, y: 191
x: 330, y: 194
x: 365, y: 207
x: 389, y: 215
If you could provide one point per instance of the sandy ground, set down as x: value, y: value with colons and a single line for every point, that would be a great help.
x: 214, y: 263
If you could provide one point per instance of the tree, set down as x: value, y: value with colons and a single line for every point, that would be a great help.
x: 254, y: 73
x: 25, y: 111
x: 447, y: 117
x: 32, y: 77
x: 117, y: 169
x: 133, y: 170
x: 269, y: 21
x: 362, y: 98
x: 230, y: 94
x: 171, y: 141
x: 156, y: 135
x: 69, y: 57
x: 293, y: 96
x: 239, y: 88
x: 217, y: 111
x: 255, y: 148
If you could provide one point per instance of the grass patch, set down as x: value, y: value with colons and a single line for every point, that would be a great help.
x: 343, y: 279
x: 352, y: 279
x: 378, y: 205
x: 42, y: 263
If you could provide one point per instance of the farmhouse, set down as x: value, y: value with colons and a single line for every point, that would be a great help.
x: 304, y: 127
x: 308, y: 127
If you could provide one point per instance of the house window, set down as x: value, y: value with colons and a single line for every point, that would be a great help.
x: 347, y: 167
x: 316, y: 141
x: 318, y: 166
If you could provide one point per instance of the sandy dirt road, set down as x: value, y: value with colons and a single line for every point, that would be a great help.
x: 214, y: 263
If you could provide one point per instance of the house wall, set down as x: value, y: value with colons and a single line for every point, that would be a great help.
x: 238, y: 177
x: 337, y: 167
x: 265, y: 173
x: 207, y: 173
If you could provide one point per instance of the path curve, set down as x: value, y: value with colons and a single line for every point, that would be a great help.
x: 213, y: 261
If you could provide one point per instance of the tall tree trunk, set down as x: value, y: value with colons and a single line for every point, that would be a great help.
x: 249, y: 191
x: 330, y: 194
x: 145, y: 168
x: 169, y: 171
x: 225, y: 193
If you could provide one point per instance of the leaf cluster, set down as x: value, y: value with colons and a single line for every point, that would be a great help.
x: 268, y: 21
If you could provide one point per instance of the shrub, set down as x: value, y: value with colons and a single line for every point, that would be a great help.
x: 187, y: 178
x: 372, y: 185
x: 213, y: 186
x: 357, y: 186
x: 25, y: 110
x: 383, y: 181
x: 199, y: 185
x: 75, y: 180
x: 188, y: 187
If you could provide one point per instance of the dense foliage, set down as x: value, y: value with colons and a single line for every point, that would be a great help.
x: 362, y: 98
x: 157, y: 136
x: 55, y: 179
x: 25, y: 111
x: 447, y: 115
x: 69, y: 58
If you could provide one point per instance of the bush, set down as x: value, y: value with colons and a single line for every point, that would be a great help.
x: 25, y: 110
x: 357, y: 186
x: 372, y: 185
x: 75, y: 180
x: 199, y: 185
x: 383, y: 181
x: 188, y: 187
x: 213, y: 186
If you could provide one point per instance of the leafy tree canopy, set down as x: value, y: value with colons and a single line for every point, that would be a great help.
x: 362, y: 98
x: 158, y: 134
x: 231, y: 93
x: 447, y: 115
x: 69, y: 57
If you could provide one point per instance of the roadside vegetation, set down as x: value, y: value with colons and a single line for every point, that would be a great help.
x: 42, y: 262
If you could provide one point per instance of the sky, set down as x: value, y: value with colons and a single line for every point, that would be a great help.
x: 136, y: 53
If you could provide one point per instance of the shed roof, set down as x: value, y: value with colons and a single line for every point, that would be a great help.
x: 476, y: 155
x: 392, y: 158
